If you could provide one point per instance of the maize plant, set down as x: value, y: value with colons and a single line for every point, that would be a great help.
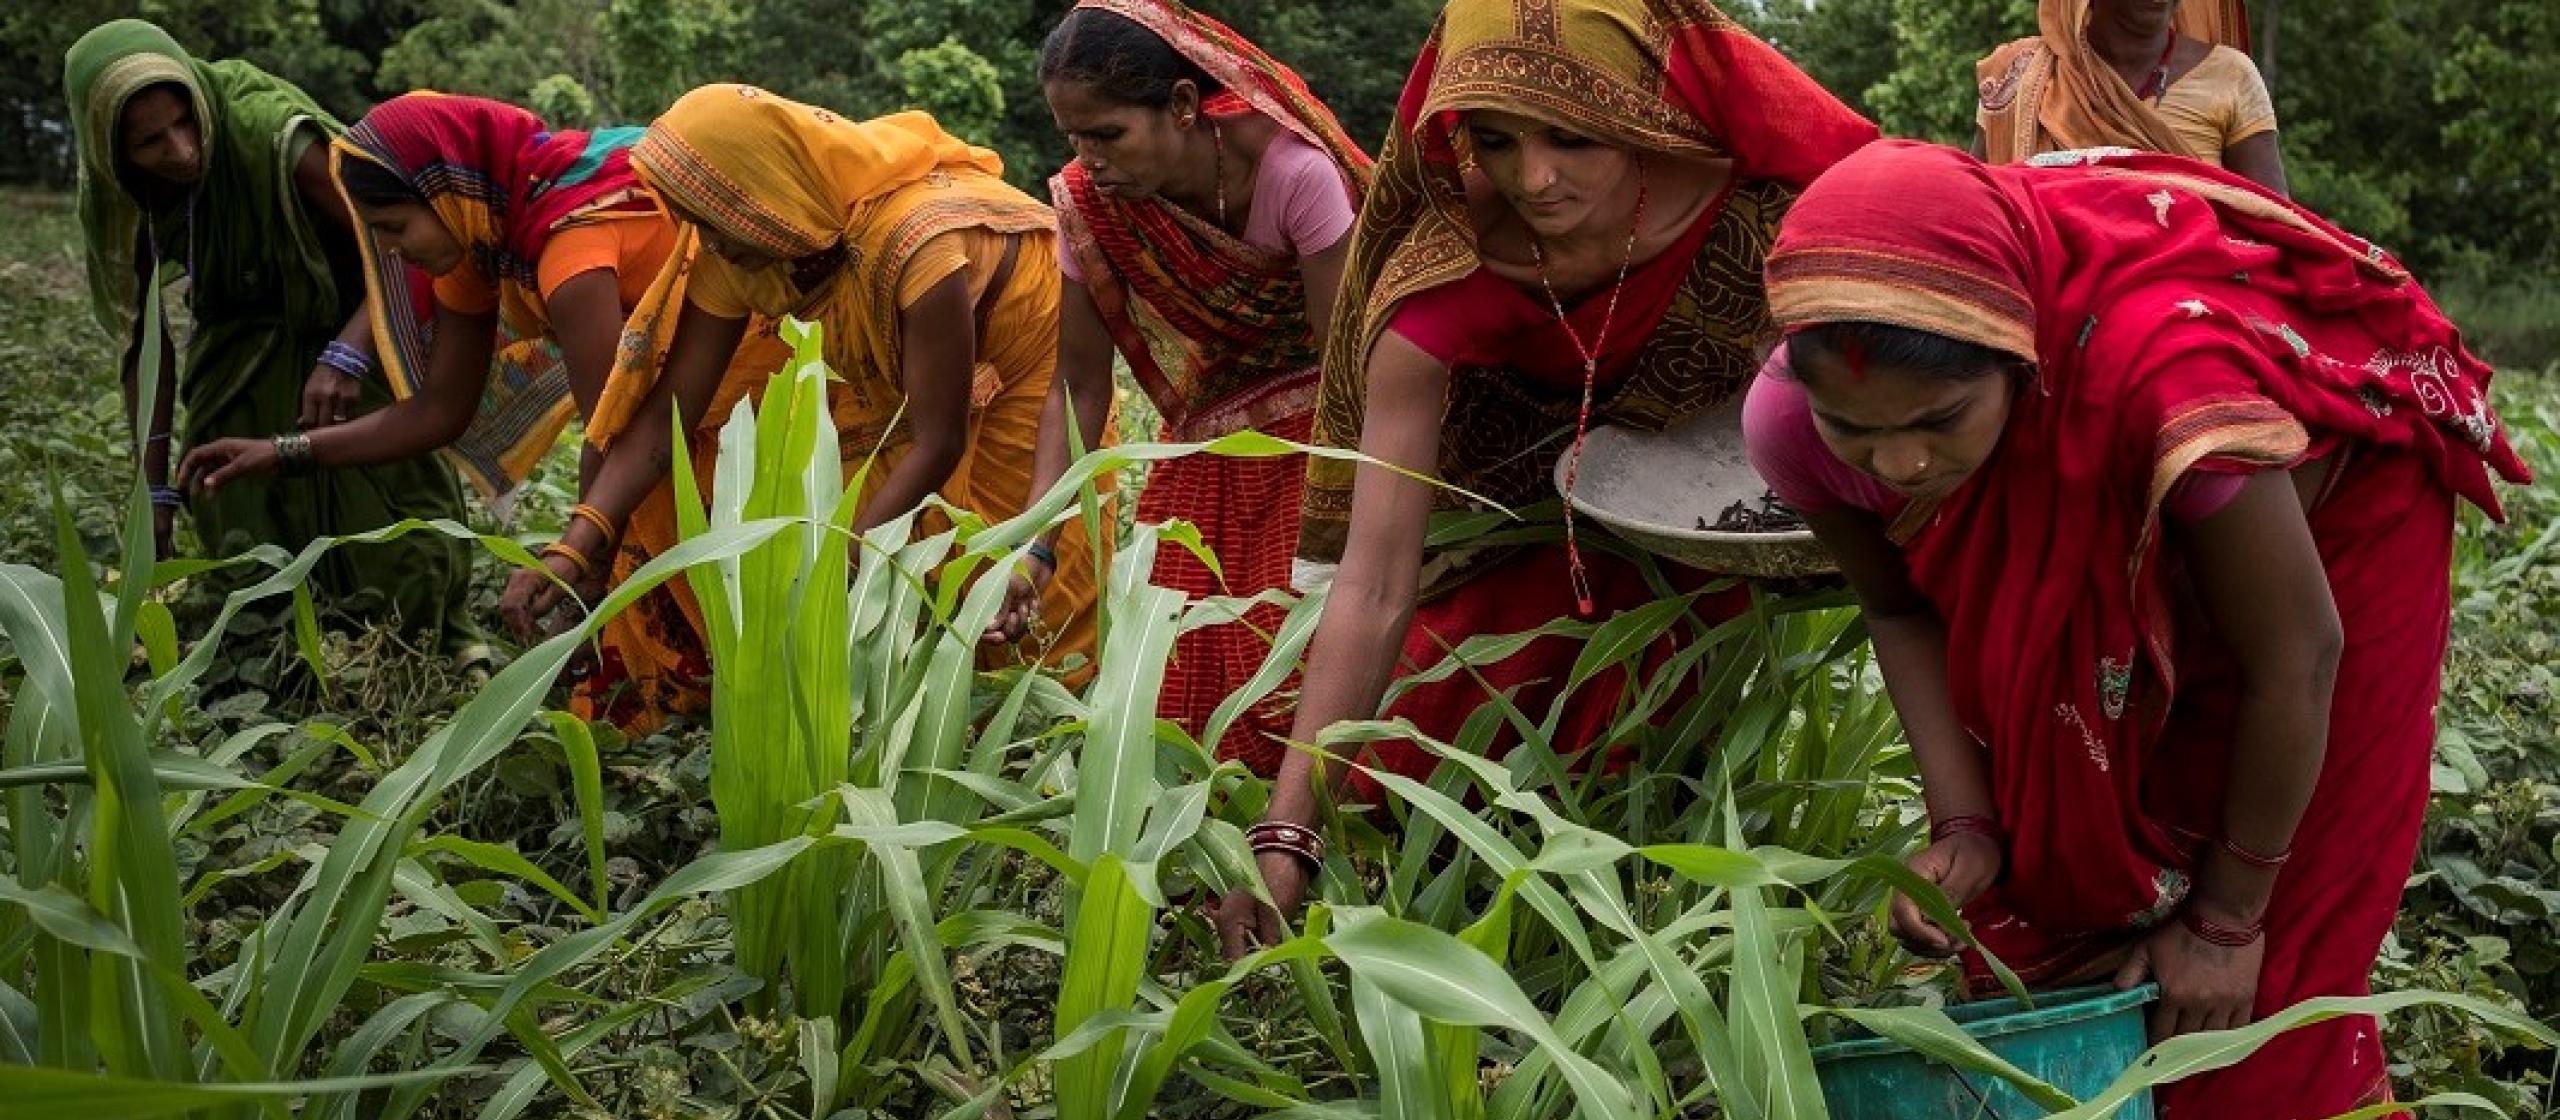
x: 1524, y: 938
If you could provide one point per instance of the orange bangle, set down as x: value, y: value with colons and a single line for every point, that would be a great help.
x: 593, y: 516
x: 585, y: 566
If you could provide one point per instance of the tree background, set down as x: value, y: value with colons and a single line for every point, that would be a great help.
x: 2428, y: 127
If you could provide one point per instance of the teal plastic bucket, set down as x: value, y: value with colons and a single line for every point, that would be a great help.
x: 2078, y: 1040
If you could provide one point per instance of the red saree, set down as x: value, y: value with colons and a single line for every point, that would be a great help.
x: 2181, y: 319
x: 1215, y: 329
x: 1670, y: 80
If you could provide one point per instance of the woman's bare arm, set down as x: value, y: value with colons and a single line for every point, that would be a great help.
x: 1353, y: 652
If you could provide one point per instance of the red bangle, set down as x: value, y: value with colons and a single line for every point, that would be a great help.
x: 1968, y: 823
x: 1282, y: 836
x: 2261, y: 862
x: 2215, y: 933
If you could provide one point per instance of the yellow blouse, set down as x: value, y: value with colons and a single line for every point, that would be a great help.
x: 2221, y: 102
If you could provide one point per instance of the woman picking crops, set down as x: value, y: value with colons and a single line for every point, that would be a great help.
x: 1545, y: 246
x: 2145, y: 479
x: 220, y: 171
x: 936, y: 286
x: 540, y: 242
x: 1203, y: 228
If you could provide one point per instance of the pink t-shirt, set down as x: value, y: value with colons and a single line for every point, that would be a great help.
x: 1778, y: 431
x: 1301, y: 204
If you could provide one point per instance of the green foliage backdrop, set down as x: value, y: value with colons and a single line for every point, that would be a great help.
x: 2426, y: 126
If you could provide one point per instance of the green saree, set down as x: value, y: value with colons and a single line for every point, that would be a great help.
x: 264, y: 293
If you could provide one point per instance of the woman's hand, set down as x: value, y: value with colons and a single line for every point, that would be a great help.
x: 1021, y: 602
x: 207, y: 467
x: 1963, y: 866
x: 2203, y: 986
x: 1244, y: 923
x: 532, y: 594
x: 328, y: 397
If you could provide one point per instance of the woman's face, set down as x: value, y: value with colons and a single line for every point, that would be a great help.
x: 2145, y: 15
x: 1560, y: 181
x: 416, y: 233
x: 1131, y: 151
x: 157, y: 135
x: 739, y: 254
x: 1921, y: 433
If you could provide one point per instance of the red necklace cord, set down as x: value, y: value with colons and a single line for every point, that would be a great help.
x: 1590, y: 376
x: 2158, y: 83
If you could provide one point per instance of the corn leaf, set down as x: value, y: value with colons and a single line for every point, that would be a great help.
x: 1443, y: 979
x: 1107, y: 952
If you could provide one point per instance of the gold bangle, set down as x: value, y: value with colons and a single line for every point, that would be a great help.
x: 585, y: 566
x: 593, y: 516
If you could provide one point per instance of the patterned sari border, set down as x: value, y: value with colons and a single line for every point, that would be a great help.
x: 680, y: 174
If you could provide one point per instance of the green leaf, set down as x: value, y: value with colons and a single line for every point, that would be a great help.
x: 1107, y: 954
x: 1622, y: 639
x: 1776, y: 1058
x: 38, y: 1093
x: 717, y: 872
x: 133, y: 872
x: 2187, y: 1055
x: 1497, y: 852
x: 1929, y: 1032
x: 1287, y: 646
x: 1116, y: 770
x: 505, y: 861
x: 586, y: 777
x: 911, y: 909
x: 1715, y: 867
x: 1194, y: 1016
x: 1444, y: 979
x: 1408, y: 1084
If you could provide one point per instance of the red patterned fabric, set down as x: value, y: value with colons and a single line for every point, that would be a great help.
x: 1247, y: 512
x: 2180, y: 318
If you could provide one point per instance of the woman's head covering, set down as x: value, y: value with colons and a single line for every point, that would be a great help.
x: 2181, y: 319
x: 1249, y: 79
x: 1669, y: 78
x: 790, y: 181
x: 245, y: 118
x: 501, y: 180
x: 502, y: 183
x: 2055, y: 84
x: 786, y: 178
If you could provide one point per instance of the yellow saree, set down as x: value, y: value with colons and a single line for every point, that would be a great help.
x: 910, y: 206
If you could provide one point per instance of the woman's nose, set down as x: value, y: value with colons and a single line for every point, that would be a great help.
x: 1901, y: 461
x: 1537, y: 173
